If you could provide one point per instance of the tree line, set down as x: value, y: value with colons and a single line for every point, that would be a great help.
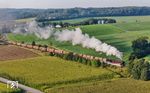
x: 62, y: 14
x: 85, y: 22
x: 138, y: 67
x: 71, y: 13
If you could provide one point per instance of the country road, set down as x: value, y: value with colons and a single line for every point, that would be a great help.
x: 23, y: 87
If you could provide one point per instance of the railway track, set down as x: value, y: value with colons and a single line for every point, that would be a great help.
x: 116, y: 63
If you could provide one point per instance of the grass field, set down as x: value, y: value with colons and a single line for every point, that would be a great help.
x: 25, y: 20
x: 4, y: 89
x: 119, y: 35
x: 52, y: 42
x: 119, y: 19
x: 108, y: 86
x: 54, y: 75
x: 49, y: 72
x: 96, y: 30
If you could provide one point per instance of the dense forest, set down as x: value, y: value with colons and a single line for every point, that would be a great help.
x: 59, y: 14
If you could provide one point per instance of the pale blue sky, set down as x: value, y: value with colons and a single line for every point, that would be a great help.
x: 70, y: 3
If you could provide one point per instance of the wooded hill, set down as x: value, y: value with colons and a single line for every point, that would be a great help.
x: 71, y: 13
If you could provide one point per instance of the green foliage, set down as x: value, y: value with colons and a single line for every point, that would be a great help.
x: 70, y: 56
x: 91, y: 21
x: 60, y: 14
x: 140, y: 43
x: 139, y: 69
x: 74, y: 57
x: 141, y: 48
x: 95, y: 63
x: 33, y: 43
x: 145, y: 74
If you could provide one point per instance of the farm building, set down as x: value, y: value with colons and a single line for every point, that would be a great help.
x: 58, y: 26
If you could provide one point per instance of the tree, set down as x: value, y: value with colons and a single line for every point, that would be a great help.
x: 141, y: 48
x: 70, y: 56
x: 139, y: 69
x: 95, y: 63
x: 140, y: 43
x: 33, y: 43
x: 145, y: 72
x: 130, y: 67
x: 45, y: 46
x: 136, y: 70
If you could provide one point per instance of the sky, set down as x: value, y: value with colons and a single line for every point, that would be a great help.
x: 70, y: 3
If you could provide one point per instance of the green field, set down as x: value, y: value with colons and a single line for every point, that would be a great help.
x: 55, y: 75
x: 50, y: 72
x: 25, y: 20
x: 52, y: 42
x: 119, y: 19
x: 4, y: 89
x: 119, y: 35
x: 108, y: 86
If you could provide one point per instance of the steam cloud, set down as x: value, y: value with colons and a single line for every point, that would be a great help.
x: 74, y: 36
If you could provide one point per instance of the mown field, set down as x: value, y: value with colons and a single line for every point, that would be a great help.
x: 108, y: 86
x: 49, y: 72
x: 4, y: 89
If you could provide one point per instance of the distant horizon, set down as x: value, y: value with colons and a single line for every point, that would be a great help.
x: 74, y: 7
x: 57, y: 4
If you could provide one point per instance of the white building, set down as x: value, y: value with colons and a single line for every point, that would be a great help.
x: 58, y: 26
x: 101, y: 22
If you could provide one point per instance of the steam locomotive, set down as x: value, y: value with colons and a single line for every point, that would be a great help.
x: 58, y: 51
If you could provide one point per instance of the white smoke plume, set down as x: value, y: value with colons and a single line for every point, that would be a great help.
x: 33, y: 28
x: 76, y: 37
x: 43, y: 33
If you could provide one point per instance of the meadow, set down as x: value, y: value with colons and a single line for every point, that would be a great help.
x: 55, y: 75
x: 119, y: 19
x: 120, y: 35
x: 51, y: 42
x: 108, y: 86
x: 49, y: 72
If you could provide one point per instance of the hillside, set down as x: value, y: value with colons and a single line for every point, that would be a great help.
x: 71, y: 13
x: 119, y: 35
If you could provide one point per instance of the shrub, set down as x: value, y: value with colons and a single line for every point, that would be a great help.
x: 45, y: 46
x: 33, y: 43
x: 95, y: 63
x: 139, y: 69
x: 22, y: 42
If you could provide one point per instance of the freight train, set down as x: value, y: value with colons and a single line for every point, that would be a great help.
x: 117, y: 63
